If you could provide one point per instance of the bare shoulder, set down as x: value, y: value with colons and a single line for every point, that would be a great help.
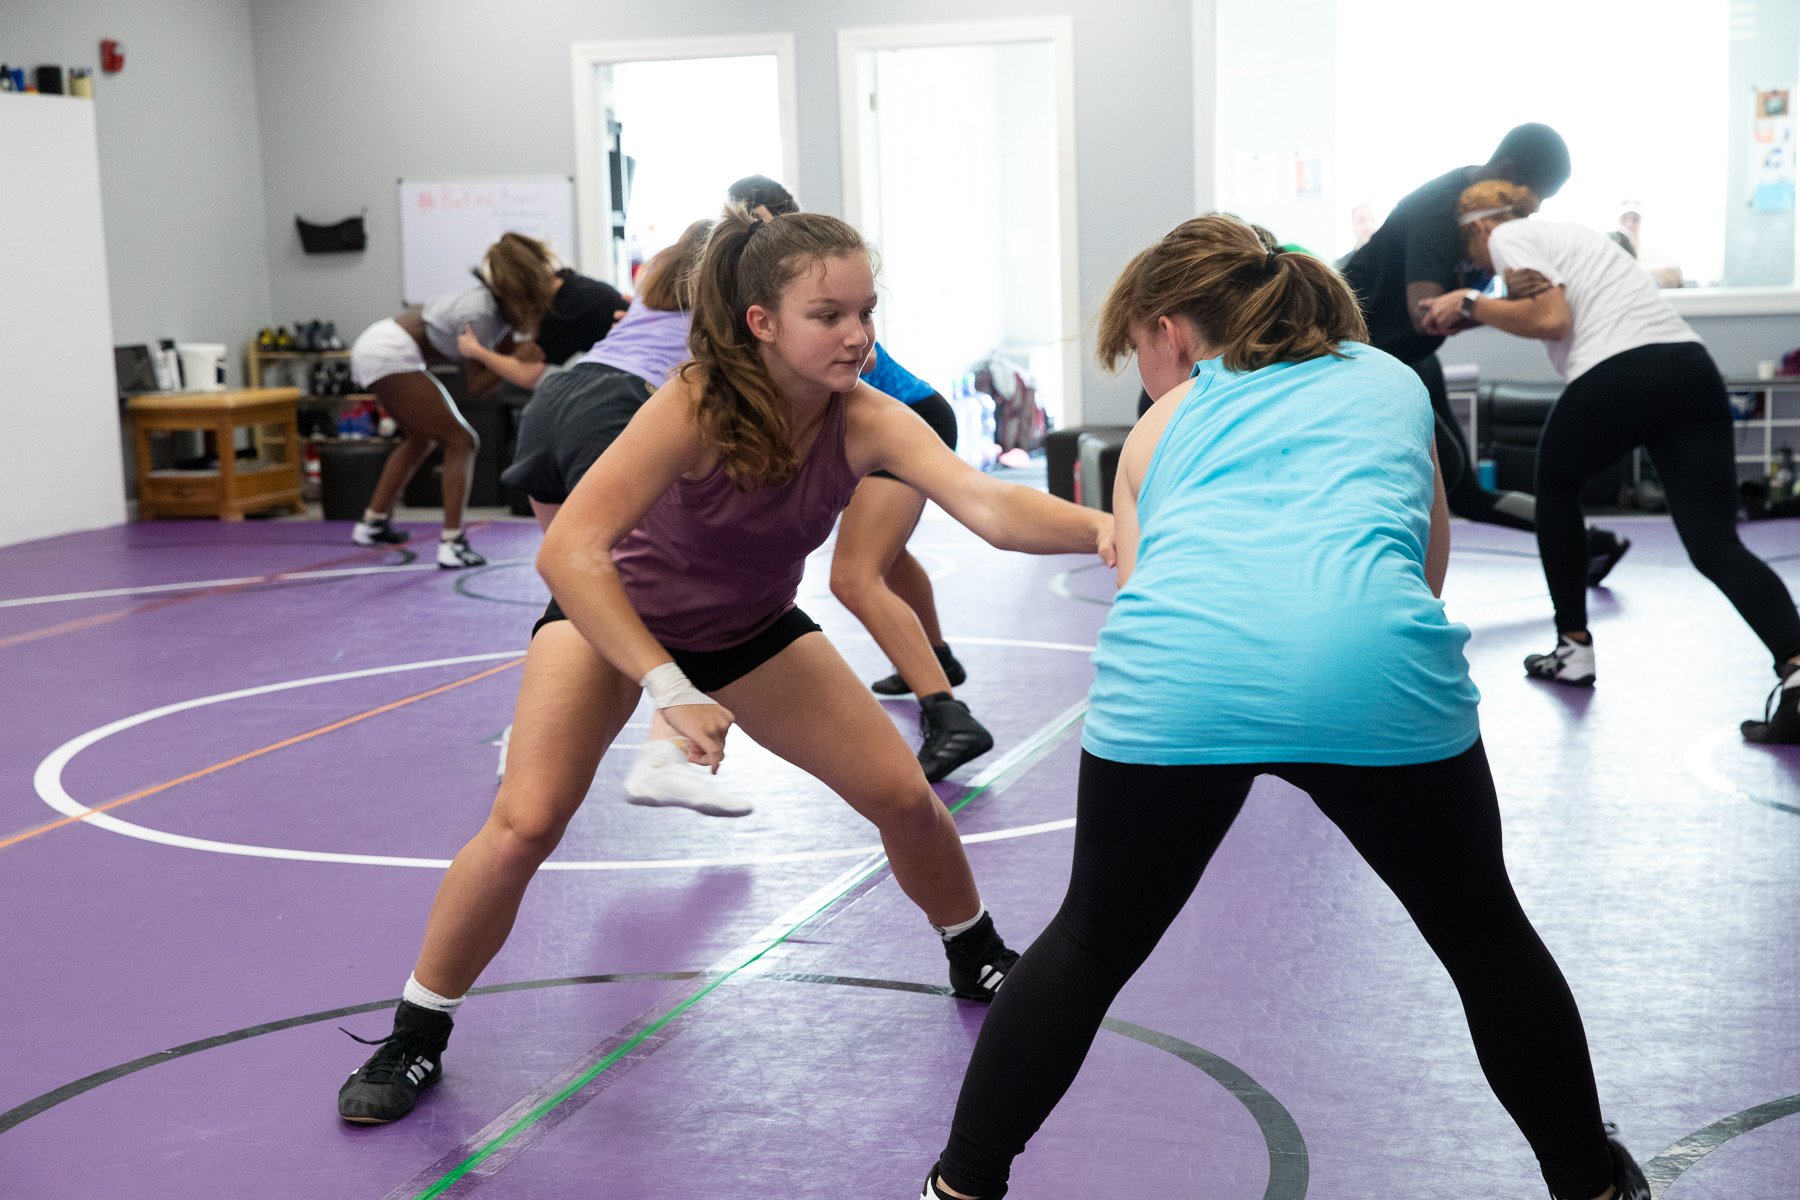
x: 866, y: 407
x: 881, y: 432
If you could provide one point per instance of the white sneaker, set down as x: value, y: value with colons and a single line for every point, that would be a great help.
x: 1571, y: 663
x: 662, y: 777
x: 377, y: 533
x: 456, y: 554
x: 505, y: 741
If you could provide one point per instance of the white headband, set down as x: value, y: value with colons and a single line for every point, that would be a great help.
x: 1471, y: 218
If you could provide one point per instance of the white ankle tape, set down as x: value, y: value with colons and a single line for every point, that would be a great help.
x: 949, y: 931
x: 417, y: 993
x: 669, y: 687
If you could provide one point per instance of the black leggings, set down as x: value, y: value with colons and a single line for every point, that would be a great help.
x: 1144, y: 834
x: 1462, y: 484
x: 1669, y: 399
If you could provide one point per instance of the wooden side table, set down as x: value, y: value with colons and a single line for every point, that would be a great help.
x: 270, y: 479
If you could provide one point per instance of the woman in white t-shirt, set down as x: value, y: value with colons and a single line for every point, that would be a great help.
x: 517, y: 282
x: 1637, y: 375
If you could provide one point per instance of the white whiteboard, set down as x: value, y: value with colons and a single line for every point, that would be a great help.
x: 447, y: 224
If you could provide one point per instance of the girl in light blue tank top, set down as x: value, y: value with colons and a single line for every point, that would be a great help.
x: 1284, y: 517
x: 1282, y: 541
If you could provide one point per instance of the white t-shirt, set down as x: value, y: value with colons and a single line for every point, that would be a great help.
x: 1614, y: 302
x: 445, y: 316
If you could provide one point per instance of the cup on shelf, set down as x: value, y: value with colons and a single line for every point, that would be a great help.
x: 1766, y: 369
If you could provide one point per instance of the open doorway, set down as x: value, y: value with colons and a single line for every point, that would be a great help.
x: 959, y: 168
x: 662, y: 128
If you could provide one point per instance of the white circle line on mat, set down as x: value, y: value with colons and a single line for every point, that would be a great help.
x: 47, y: 780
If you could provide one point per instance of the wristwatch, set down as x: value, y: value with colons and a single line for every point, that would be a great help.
x: 1468, y: 303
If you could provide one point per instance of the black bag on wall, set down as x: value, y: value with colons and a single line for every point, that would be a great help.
x: 347, y: 235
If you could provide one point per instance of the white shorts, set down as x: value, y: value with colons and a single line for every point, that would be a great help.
x: 381, y: 350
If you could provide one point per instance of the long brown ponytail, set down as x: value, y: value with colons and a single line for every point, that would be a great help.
x: 1255, y: 302
x: 750, y: 262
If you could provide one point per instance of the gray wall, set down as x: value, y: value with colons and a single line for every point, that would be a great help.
x: 353, y: 96
x: 180, y: 158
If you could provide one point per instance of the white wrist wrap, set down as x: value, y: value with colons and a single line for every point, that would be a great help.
x: 668, y: 687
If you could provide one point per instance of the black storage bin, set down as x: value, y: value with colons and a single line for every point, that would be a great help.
x: 1062, y: 447
x: 1098, y: 460
x: 348, y: 469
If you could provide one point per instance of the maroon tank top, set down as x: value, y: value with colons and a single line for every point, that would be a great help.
x: 710, y: 567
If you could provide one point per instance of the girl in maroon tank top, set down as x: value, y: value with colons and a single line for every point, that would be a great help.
x: 675, y: 561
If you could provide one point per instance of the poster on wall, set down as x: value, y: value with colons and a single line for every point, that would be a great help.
x: 1772, y: 152
x: 447, y: 224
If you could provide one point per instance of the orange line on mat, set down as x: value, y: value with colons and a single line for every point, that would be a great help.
x: 16, y: 838
x: 81, y: 623
x: 65, y: 627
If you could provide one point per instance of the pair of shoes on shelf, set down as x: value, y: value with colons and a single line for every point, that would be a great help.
x: 378, y: 533
x: 1605, y: 549
x: 951, y: 735
x: 893, y: 685
x: 265, y: 338
x: 316, y: 336
x: 410, y: 1059
x: 330, y: 379
x: 662, y: 777
x: 455, y: 554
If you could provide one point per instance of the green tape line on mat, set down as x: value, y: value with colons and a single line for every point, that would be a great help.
x: 1021, y: 758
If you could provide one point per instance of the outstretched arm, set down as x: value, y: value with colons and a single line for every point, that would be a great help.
x: 886, y: 435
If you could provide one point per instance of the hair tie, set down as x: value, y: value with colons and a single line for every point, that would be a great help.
x: 756, y: 223
x: 1271, y: 262
x: 1469, y: 218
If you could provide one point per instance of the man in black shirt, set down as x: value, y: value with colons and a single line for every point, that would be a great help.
x: 1416, y: 255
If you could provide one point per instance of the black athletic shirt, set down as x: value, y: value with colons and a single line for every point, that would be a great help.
x: 580, y: 314
x: 1418, y: 243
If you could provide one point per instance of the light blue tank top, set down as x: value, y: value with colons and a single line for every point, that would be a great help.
x: 1279, y: 610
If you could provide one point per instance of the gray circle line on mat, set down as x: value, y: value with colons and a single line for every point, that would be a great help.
x: 1286, y: 1147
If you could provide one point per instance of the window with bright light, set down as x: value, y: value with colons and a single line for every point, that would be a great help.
x: 1327, y: 105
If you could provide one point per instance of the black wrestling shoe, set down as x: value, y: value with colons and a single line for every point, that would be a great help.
x: 979, y: 961
x: 410, y: 1060
x: 378, y: 533
x: 1628, y: 1178
x: 952, y: 735
x: 1781, y: 715
x: 1605, y: 549
x: 934, y: 1192
x: 893, y: 685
